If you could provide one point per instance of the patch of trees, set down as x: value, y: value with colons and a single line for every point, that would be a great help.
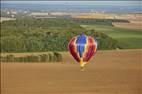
x: 38, y: 35
x: 48, y: 57
x: 89, y: 21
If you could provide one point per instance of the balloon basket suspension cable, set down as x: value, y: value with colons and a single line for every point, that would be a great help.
x: 82, y: 68
x: 82, y: 64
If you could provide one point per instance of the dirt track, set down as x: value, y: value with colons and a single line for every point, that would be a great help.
x: 114, y: 72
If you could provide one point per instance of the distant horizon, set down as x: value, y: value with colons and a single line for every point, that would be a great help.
x: 108, y: 6
x: 77, y: 2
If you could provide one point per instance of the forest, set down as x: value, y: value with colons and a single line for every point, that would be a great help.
x: 39, y: 35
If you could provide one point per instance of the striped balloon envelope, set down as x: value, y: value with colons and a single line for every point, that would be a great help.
x: 82, y: 48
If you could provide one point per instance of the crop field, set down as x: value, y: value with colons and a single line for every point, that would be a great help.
x: 127, y: 38
x: 6, y: 19
x: 128, y: 25
x: 109, y: 72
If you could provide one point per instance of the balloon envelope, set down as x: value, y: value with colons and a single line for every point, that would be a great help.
x: 82, y: 48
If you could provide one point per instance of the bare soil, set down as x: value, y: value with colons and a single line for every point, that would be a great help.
x: 109, y: 72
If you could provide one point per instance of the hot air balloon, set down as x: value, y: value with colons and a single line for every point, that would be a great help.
x: 82, y: 48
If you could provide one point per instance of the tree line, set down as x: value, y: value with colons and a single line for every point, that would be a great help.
x: 38, y: 35
x: 48, y: 57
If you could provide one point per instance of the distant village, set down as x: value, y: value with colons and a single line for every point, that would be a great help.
x: 13, y: 14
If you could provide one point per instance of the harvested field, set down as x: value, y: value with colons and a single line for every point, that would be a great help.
x: 6, y: 19
x: 113, y: 72
x: 129, y: 25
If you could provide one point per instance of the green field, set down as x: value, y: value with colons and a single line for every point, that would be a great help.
x: 127, y: 38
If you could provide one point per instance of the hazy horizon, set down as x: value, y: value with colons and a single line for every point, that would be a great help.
x: 107, y: 6
x: 125, y: 3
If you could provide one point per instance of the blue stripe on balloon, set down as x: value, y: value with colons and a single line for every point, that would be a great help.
x: 80, y: 42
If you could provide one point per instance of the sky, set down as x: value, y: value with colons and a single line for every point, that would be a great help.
x: 125, y: 3
x: 108, y: 6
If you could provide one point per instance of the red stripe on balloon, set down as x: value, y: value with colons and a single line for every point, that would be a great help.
x: 90, y: 49
x: 72, y: 47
